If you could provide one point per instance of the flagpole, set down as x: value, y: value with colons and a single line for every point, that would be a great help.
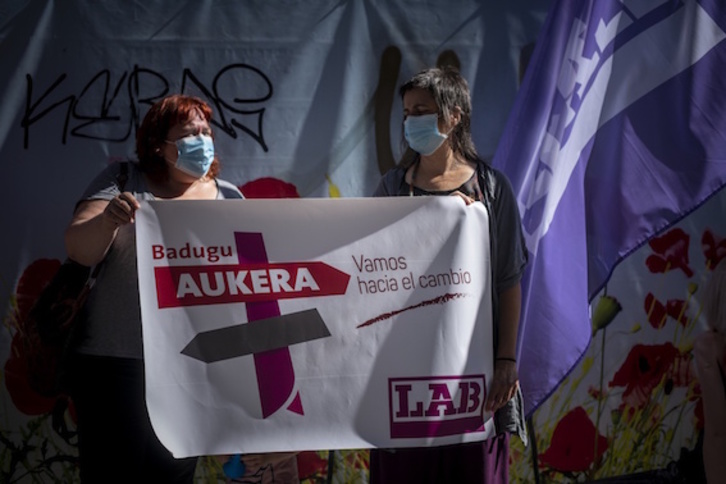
x: 331, y: 467
x: 533, y: 440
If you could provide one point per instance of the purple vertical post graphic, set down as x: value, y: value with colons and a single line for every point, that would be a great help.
x: 274, y: 370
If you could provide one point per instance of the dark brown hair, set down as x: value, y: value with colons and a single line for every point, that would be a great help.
x: 449, y: 90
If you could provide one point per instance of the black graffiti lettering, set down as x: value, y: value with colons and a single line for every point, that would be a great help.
x: 224, y: 98
x: 98, y: 124
x: 254, y: 80
x: 265, y: 92
x: 99, y: 111
x: 30, y: 117
x: 155, y: 87
x: 219, y: 120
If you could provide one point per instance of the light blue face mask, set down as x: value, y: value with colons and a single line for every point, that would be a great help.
x: 196, y: 154
x: 422, y: 133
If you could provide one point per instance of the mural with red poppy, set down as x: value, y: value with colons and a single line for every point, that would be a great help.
x: 670, y: 251
x: 714, y: 248
x: 642, y: 371
x: 311, y: 466
x: 633, y: 404
x: 576, y: 444
x: 269, y: 187
x: 52, y: 422
x: 657, y: 311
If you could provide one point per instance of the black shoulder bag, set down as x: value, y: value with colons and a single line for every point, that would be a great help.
x: 53, y: 319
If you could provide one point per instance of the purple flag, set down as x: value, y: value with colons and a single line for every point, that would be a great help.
x: 618, y: 132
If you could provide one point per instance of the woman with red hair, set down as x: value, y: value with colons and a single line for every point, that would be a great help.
x: 176, y: 155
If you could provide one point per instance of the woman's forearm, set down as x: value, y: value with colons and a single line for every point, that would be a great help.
x: 89, y: 234
x: 509, y: 308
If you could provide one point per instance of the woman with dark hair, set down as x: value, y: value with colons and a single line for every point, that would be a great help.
x: 437, y: 116
x: 176, y: 161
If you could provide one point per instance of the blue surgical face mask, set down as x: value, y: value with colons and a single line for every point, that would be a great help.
x: 196, y: 154
x: 422, y: 133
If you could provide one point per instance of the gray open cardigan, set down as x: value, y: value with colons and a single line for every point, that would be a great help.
x: 507, y: 266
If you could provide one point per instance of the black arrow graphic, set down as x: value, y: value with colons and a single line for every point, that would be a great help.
x: 257, y: 336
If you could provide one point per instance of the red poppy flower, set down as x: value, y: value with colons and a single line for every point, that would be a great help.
x: 714, y: 248
x: 310, y: 465
x: 643, y: 369
x: 572, y: 448
x: 33, y: 280
x: 657, y: 311
x: 269, y: 188
x: 671, y: 252
x: 25, y: 399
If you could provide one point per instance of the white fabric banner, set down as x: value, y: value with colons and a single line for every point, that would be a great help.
x: 283, y: 325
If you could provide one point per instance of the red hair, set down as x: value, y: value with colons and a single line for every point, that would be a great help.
x: 154, y: 130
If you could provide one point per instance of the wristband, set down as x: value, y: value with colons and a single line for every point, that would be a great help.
x: 501, y: 358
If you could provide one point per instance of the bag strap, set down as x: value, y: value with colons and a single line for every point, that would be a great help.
x: 228, y: 193
x: 121, y: 178
x: 123, y: 175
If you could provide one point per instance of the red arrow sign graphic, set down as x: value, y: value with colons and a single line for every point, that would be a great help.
x: 217, y: 284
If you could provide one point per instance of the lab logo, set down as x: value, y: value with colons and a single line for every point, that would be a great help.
x: 436, y: 406
x: 259, y: 284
